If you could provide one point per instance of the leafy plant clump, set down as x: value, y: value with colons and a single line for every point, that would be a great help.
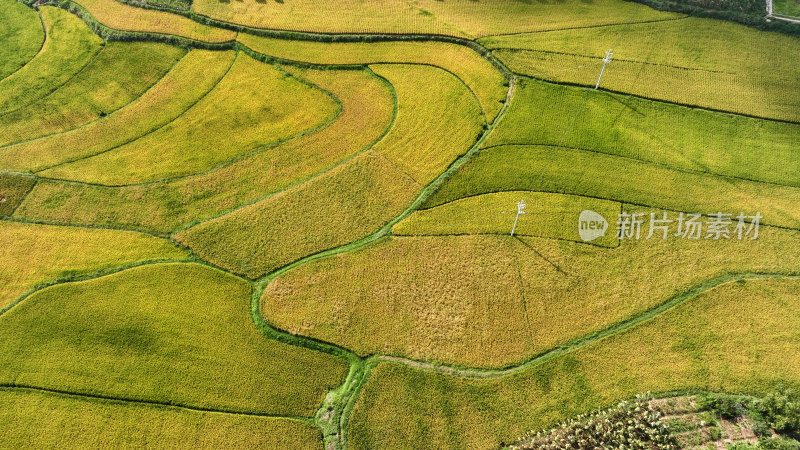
x: 629, y: 425
x: 781, y: 409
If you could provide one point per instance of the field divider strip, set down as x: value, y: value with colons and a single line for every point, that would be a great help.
x: 154, y: 403
x: 24, y: 196
x: 605, y: 25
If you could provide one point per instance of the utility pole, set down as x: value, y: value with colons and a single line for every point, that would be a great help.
x: 606, y: 60
x: 520, y: 210
x: 769, y: 8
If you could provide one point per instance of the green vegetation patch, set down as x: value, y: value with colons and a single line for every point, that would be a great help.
x: 41, y: 419
x: 13, y: 189
x: 554, y: 169
x: 21, y: 37
x: 169, y: 333
x: 494, y: 301
x: 34, y: 254
x: 117, y: 75
x: 543, y: 215
x: 703, y: 62
x: 675, y: 136
x: 69, y: 46
x: 787, y: 7
x: 180, y: 88
x: 367, y: 111
x: 254, y: 106
x: 738, y: 337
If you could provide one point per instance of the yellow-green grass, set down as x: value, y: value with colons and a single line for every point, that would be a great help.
x: 179, y: 334
x: 367, y: 110
x: 476, y: 72
x: 120, y: 73
x: 554, y: 169
x: 462, y: 18
x: 545, y: 215
x: 739, y: 337
x: 21, y: 38
x: 338, y: 207
x: 647, y: 130
x: 119, y: 16
x: 184, y: 85
x: 45, y: 420
x: 432, y: 104
x: 492, y: 301
x: 69, y: 46
x: 254, y: 106
x: 13, y: 189
x: 33, y: 254
x: 704, y: 62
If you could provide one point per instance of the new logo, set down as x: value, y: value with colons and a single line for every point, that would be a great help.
x: 591, y: 225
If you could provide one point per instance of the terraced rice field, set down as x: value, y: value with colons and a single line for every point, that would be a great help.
x: 704, y: 343
x: 386, y: 224
x: 690, y: 61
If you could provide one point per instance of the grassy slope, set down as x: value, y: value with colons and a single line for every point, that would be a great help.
x: 33, y: 254
x: 367, y: 107
x: 172, y: 333
x: 254, y: 106
x: 703, y: 62
x: 455, y: 18
x: 21, y: 37
x: 475, y: 71
x: 491, y: 301
x: 645, y: 130
x: 45, y: 420
x: 787, y: 7
x: 187, y: 82
x: 553, y: 169
x: 69, y: 46
x: 545, y: 215
x: 120, y: 73
x: 740, y: 337
x: 119, y: 16
x: 355, y: 200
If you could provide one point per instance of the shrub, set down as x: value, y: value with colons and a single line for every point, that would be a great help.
x: 781, y: 409
x: 727, y: 406
x: 778, y: 443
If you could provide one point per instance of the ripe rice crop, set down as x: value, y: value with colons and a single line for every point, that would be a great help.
x: 254, y: 106
x: 170, y: 333
x: 715, y: 341
x: 642, y: 129
x: 186, y: 83
x: 570, y: 171
x: 56, y: 420
x: 117, y: 75
x: 69, y: 46
x: 33, y: 254
x: 485, y: 81
x: 21, y: 37
x: 432, y: 103
x: 338, y: 207
x: 366, y: 113
x: 117, y: 15
x: 694, y: 61
x: 462, y: 18
x: 544, y: 215
x: 492, y: 301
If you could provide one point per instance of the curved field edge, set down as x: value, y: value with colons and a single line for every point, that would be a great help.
x: 58, y: 419
x: 155, y: 344
x: 23, y: 37
x: 489, y: 412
